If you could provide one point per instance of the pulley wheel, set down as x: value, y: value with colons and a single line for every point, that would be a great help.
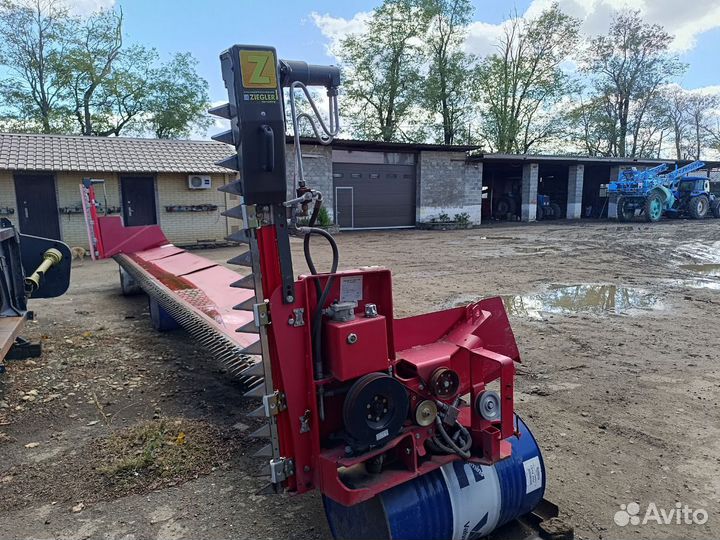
x: 375, y: 409
x: 488, y: 405
x: 426, y: 413
x: 445, y: 383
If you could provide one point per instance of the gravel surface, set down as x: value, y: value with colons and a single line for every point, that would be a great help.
x: 617, y: 327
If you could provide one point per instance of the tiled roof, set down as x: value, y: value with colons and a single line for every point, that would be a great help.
x: 28, y: 152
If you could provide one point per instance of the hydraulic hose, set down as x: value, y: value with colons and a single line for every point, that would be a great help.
x: 322, y: 293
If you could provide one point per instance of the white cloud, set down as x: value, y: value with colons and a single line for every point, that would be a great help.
x: 482, y: 37
x: 336, y: 28
x: 684, y: 19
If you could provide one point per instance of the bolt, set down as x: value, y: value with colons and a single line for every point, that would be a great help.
x: 408, y: 451
x: 417, y: 435
x: 306, y: 468
x: 352, y: 339
x: 290, y: 298
x: 291, y: 321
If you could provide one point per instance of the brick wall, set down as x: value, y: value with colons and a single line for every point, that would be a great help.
x: 188, y: 227
x: 7, y: 195
x: 448, y: 184
x: 170, y: 189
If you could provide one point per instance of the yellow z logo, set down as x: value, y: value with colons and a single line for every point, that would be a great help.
x: 259, y: 69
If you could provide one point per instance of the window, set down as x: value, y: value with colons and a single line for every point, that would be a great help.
x: 392, y: 175
x: 406, y: 175
x: 337, y: 175
x: 374, y: 176
x: 356, y: 175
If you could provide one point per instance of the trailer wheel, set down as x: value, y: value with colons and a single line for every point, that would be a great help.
x: 128, y: 285
x: 623, y: 214
x: 699, y: 207
x: 539, y: 213
x: 161, y: 320
x: 653, y: 209
x: 556, y: 210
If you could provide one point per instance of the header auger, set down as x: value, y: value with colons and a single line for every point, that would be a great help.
x: 406, y: 426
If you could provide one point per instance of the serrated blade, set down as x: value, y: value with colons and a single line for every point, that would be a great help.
x: 244, y: 259
x: 246, y: 282
x: 246, y: 305
x: 256, y: 370
x: 263, y: 432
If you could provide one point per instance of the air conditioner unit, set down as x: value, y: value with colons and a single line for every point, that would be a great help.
x: 197, y: 181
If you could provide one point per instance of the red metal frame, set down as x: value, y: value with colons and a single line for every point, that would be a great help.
x: 476, y: 342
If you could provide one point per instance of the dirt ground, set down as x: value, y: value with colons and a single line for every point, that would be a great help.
x: 620, y: 391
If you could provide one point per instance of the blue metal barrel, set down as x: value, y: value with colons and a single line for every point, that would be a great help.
x: 459, y: 501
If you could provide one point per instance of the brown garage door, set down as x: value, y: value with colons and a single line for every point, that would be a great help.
x: 374, y: 195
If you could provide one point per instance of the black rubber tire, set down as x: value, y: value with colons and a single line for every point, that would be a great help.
x: 540, y: 213
x: 128, y: 285
x: 647, y: 213
x: 698, y: 207
x: 716, y: 209
x: 556, y: 210
x: 622, y: 215
x: 504, y: 206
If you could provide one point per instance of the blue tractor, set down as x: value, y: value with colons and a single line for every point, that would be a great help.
x: 654, y: 192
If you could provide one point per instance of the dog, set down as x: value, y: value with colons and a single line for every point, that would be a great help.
x: 78, y: 253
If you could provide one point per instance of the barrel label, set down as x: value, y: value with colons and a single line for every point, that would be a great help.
x: 474, y: 492
x: 533, y: 474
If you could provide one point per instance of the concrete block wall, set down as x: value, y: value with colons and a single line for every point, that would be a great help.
x: 576, y: 176
x: 448, y: 184
x: 528, y: 201
x: 317, y: 165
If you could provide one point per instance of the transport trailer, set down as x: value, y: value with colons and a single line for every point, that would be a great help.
x: 406, y: 426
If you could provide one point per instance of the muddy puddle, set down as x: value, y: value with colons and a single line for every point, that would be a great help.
x: 708, y: 276
x: 584, y: 298
x: 704, y: 269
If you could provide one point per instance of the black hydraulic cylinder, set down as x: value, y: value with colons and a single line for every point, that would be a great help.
x: 309, y: 74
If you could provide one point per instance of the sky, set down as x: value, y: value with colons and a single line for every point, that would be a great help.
x: 305, y: 29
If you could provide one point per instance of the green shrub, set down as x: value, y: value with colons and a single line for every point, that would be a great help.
x: 324, y: 218
x: 462, y: 218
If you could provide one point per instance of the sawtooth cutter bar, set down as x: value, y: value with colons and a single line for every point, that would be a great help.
x: 209, y: 318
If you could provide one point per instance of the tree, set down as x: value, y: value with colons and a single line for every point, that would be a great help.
x: 629, y: 65
x: 450, y: 71
x: 519, y: 85
x: 699, y: 108
x: 32, y: 48
x: 589, y: 120
x: 72, y: 74
x: 178, y: 99
x: 674, y: 110
x: 95, y: 48
x: 381, y: 68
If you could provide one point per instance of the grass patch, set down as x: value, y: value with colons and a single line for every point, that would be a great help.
x: 160, y: 452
